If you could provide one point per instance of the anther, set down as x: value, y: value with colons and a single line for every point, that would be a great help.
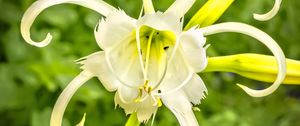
x: 149, y: 89
x: 166, y: 47
x: 159, y: 103
x: 196, y: 109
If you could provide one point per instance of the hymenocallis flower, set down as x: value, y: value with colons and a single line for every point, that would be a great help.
x: 151, y: 60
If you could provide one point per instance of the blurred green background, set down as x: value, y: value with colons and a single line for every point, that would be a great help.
x: 32, y: 78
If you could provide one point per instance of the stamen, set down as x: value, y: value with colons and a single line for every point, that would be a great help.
x: 263, y: 38
x: 114, y: 73
x: 155, y: 100
x: 189, y: 77
x: 145, y: 88
x: 137, y: 37
x: 65, y: 97
x: 153, y: 118
x: 168, y: 61
x: 163, y: 76
x: 141, y: 99
x: 148, y: 53
x: 270, y: 14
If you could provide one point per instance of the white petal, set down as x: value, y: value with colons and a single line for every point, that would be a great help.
x: 270, y: 14
x: 178, y: 74
x: 123, y: 61
x: 129, y: 107
x: 263, y: 38
x: 65, y: 97
x: 96, y: 64
x: 181, y: 107
x: 143, y: 109
x: 180, y: 7
x: 161, y: 21
x: 128, y: 94
x: 36, y: 8
x: 195, y: 90
x: 192, y: 42
x: 116, y: 36
x: 113, y: 30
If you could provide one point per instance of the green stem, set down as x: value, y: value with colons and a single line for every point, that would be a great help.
x: 132, y: 121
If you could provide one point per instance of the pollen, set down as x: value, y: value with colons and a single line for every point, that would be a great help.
x: 159, y: 103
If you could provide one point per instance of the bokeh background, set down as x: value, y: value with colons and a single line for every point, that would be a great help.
x: 32, y: 78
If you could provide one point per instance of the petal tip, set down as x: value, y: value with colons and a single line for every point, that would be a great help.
x: 269, y: 15
x: 43, y: 43
x: 256, y: 93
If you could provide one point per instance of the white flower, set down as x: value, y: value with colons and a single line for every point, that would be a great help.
x: 148, y: 61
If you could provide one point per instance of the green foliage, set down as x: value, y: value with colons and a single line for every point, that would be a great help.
x: 32, y: 78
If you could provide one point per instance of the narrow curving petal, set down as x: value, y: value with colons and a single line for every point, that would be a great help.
x: 263, y: 38
x: 148, y: 5
x: 180, y: 7
x: 181, y: 107
x: 81, y: 123
x: 269, y: 15
x: 65, y: 97
x: 36, y: 8
x: 96, y: 64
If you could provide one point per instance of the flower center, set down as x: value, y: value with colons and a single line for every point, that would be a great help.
x: 155, y: 49
x: 145, y: 92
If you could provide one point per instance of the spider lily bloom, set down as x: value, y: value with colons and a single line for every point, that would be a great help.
x: 148, y: 61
